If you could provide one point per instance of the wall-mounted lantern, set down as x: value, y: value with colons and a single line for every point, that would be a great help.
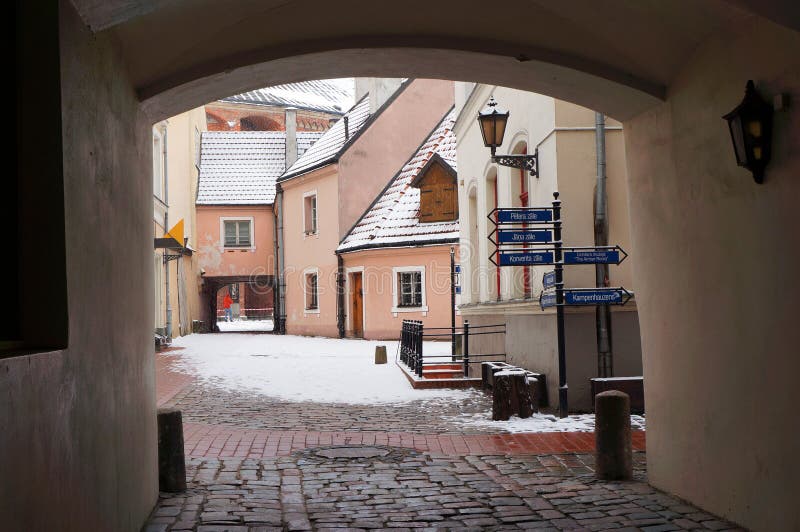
x: 750, y: 124
x: 492, y: 121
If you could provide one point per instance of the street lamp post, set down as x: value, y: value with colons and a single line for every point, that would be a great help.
x: 493, y: 122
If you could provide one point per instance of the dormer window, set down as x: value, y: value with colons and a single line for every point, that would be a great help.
x: 438, y: 198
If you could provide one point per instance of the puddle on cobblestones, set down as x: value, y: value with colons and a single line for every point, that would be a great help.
x: 353, y: 452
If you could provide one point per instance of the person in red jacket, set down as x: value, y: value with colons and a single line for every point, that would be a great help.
x: 226, y: 304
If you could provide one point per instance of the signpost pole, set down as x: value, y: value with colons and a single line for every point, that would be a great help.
x: 563, y: 405
x: 452, y: 304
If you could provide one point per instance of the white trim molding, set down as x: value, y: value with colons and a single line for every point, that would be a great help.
x: 310, y: 311
x: 223, y: 219
x: 349, y: 298
x: 395, y: 289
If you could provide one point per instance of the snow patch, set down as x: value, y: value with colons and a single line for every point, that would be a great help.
x: 245, y: 326
x: 298, y: 368
x: 540, y: 423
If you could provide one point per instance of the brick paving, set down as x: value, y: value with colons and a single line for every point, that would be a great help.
x: 402, y: 489
x: 258, y: 465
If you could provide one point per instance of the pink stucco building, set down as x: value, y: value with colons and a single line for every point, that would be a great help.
x: 325, y: 193
x: 235, y: 218
x: 396, y: 258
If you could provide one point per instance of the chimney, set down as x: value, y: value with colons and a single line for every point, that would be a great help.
x: 346, y: 127
x: 291, y: 136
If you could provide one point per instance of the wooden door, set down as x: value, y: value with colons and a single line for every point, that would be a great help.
x: 358, y: 306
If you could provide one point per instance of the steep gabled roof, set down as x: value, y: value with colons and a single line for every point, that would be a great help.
x: 393, y: 218
x: 241, y: 167
x: 333, y: 142
x: 329, y: 96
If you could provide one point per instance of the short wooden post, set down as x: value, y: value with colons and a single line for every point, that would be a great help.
x: 380, y: 354
x: 171, y: 462
x: 533, y: 389
x: 501, y: 396
x: 522, y: 394
x: 612, y: 430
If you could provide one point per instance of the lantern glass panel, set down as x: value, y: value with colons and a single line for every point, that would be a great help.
x: 737, y: 134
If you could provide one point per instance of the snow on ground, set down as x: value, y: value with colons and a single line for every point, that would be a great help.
x: 245, y: 326
x: 541, y: 423
x: 298, y: 368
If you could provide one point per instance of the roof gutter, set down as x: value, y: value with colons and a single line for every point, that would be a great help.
x: 403, y: 244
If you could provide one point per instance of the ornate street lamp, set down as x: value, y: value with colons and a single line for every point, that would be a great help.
x: 492, y: 121
x: 750, y: 124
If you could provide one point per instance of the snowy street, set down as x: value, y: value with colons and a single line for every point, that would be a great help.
x: 257, y: 381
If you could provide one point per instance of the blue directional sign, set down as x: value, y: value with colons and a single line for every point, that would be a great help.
x: 524, y: 258
x: 523, y: 216
x: 600, y: 255
x: 549, y: 279
x: 547, y: 299
x: 599, y: 296
x: 522, y: 236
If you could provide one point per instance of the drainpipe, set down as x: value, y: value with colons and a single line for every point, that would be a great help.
x: 340, y: 311
x: 166, y: 228
x: 605, y: 356
x: 280, y: 310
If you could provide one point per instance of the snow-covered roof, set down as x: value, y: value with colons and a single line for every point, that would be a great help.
x: 241, y: 167
x: 393, y: 219
x: 327, y: 95
x: 332, y: 142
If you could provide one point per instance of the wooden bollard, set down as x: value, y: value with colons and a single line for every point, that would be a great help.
x: 612, y: 432
x: 380, y: 354
x: 171, y: 462
x: 501, y: 396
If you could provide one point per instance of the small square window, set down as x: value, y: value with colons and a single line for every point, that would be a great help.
x: 410, y: 289
x: 310, y: 213
x: 238, y: 233
x: 312, y: 295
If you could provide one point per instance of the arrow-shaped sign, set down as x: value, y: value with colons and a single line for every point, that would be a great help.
x: 530, y: 215
x: 523, y: 258
x: 587, y: 297
x: 522, y: 236
x: 594, y: 255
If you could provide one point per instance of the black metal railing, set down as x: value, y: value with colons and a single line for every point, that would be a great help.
x: 413, y: 333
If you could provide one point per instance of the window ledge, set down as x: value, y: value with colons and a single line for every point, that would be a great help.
x: 423, y: 308
x: 311, y: 311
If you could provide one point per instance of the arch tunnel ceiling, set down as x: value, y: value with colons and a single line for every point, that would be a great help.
x: 616, y: 56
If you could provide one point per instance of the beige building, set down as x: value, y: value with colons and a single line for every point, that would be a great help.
x: 176, y: 163
x: 563, y: 135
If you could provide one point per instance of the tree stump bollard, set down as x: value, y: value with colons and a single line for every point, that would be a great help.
x: 171, y: 462
x: 501, y: 396
x: 612, y: 430
x: 534, y: 390
x: 521, y: 402
x: 380, y: 354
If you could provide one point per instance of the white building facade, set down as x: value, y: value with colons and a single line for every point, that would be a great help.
x: 564, y: 135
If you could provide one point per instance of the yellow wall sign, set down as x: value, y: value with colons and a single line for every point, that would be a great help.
x: 176, y: 232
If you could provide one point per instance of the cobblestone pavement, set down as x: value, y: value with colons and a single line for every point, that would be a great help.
x: 205, y: 403
x: 377, y: 487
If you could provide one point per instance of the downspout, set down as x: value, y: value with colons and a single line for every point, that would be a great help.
x: 166, y: 228
x: 340, y: 311
x: 605, y: 356
x: 280, y: 310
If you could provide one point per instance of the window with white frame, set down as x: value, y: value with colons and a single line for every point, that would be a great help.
x: 238, y: 233
x: 408, y: 289
x: 310, y: 213
x: 312, y: 291
x: 409, y: 293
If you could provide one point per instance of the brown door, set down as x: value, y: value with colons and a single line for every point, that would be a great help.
x: 358, y: 306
